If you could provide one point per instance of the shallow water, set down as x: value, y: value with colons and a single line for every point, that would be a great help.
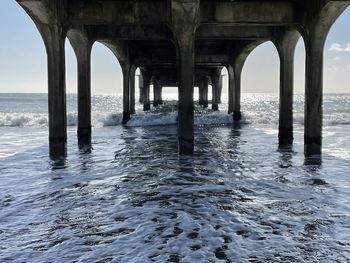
x: 133, y: 199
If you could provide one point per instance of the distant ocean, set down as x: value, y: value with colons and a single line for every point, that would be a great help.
x: 131, y: 198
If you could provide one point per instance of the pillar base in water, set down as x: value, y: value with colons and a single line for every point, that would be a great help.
x: 215, y: 107
x: 205, y: 104
x: 285, y: 135
x: 58, y: 147
x: 313, y: 146
x: 126, y: 117
x: 84, y: 135
x: 237, y: 116
x: 146, y: 107
x: 156, y: 103
x: 186, y: 146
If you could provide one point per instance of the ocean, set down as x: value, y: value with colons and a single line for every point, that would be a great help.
x: 131, y: 198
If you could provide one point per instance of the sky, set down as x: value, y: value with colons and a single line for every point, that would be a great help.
x: 23, y: 60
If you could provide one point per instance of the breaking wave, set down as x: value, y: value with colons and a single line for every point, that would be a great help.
x: 157, y: 118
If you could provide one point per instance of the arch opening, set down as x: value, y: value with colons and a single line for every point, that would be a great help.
x: 260, y: 85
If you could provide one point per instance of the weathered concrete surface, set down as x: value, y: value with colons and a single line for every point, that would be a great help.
x: 185, y: 37
x: 216, y: 87
x: 315, y: 33
x: 185, y: 20
x: 286, y: 42
x: 157, y: 91
x: 82, y: 47
x: 132, y: 89
x: 146, y: 89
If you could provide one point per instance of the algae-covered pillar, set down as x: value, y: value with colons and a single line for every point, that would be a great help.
x: 185, y: 19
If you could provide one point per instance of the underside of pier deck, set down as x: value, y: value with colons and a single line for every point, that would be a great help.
x: 183, y: 43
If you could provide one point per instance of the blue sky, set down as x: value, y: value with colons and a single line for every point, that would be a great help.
x: 23, y: 60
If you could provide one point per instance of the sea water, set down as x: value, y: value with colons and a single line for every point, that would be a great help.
x: 131, y: 198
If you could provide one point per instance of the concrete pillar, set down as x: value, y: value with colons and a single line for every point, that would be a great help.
x: 157, y: 92
x: 315, y: 32
x: 205, y: 92
x: 126, y: 68
x: 160, y: 94
x: 237, y: 116
x: 231, y: 88
x: 186, y: 107
x: 286, y: 44
x: 220, y: 88
x: 132, y: 89
x: 146, y: 90
x: 140, y: 88
x: 201, y: 90
x: 313, y: 96
x: 54, y: 38
x: 215, y: 92
x: 82, y: 48
x: 185, y: 18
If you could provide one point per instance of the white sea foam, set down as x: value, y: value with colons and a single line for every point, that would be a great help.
x: 152, y: 119
x: 100, y: 119
x: 23, y: 119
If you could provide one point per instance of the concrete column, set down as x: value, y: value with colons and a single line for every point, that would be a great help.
x: 286, y: 48
x: 157, y: 92
x: 54, y: 38
x: 313, y: 96
x: 205, y: 92
x: 82, y: 48
x: 220, y: 88
x: 126, y: 68
x: 132, y: 89
x: 185, y: 18
x: 237, y: 116
x: 160, y: 95
x: 315, y: 32
x: 140, y: 88
x: 186, y: 107
x: 146, y: 90
x: 231, y: 88
x: 216, y: 87
x: 201, y: 90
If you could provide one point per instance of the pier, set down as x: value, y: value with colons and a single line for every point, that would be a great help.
x: 183, y: 43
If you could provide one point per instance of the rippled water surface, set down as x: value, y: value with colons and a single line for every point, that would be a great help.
x: 131, y: 198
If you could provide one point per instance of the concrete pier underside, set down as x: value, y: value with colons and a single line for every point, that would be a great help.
x: 183, y: 43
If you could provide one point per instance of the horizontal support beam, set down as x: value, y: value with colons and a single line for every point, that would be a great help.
x: 86, y: 12
x: 200, y: 60
x: 236, y: 32
x: 250, y: 12
x: 129, y: 32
